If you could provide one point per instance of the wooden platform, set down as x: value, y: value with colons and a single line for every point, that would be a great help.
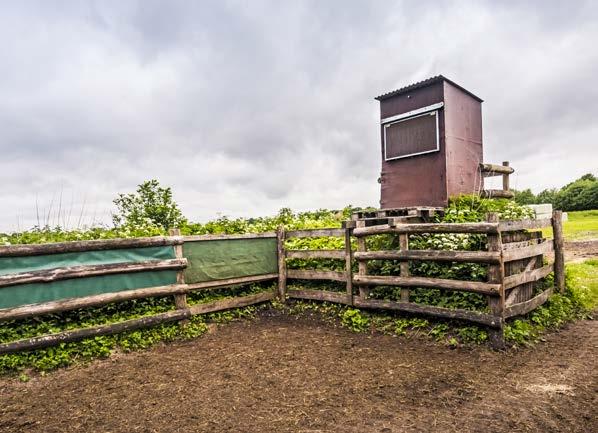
x: 404, y: 214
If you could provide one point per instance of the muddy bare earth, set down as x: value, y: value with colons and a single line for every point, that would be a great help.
x: 578, y: 251
x: 284, y: 374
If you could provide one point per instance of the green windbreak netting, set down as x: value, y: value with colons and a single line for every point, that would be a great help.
x: 230, y: 258
x: 24, y: 294
x: 15, y: 265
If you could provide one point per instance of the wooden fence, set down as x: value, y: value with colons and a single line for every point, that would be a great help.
x: 514, y: 258
x: 178, y: 290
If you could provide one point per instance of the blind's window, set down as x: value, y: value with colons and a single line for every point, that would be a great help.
x: 412, y: 136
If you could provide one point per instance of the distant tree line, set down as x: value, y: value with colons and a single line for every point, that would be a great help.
x: 581, y: 194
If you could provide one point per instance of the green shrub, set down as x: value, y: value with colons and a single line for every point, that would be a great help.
x: 355, y: 320
x: 581, y: 194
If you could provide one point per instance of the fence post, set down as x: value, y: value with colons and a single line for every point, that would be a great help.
x: 362, y: 269
x: 559, y: 250
x: 496, y: 274
x: 180, y: 299
x: 349, y: 260
x: 404, y: 266
x: 505, y: 177
x: 282, y: 265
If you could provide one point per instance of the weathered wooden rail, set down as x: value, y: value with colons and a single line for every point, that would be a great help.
x: 514, y: 256
x: 491, y: 170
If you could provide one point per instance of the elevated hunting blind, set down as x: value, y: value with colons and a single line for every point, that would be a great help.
x: 431, y: 134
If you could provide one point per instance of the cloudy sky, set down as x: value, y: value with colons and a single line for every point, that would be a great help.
x: 246, y: 107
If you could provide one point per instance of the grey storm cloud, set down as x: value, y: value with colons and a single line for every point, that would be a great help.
x: 246, y: 107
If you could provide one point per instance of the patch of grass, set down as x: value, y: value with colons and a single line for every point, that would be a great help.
x: 580, y: 298
x: 580, y: 225
x: 582, y: 280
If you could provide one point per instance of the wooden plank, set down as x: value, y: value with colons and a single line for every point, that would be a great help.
x: 231, y: 282
x: 227, y: 304
x: 496, y: 193
x: 520, y: 239
x: 96, y: 331
x: 521, y: 244
x: 439, y: 283
x: 435, y: 255
x: 445, y: 313
x: 524, y: 253
x: 506, y: 226
x: 320, y: 295
x: 314, y: 233
x: 25, y: 311
x: 315, y: 254
x: 282, y: 264
x: 304, y: 274
x: 56, y: 274
x: 224, y: 236
x: 527, y: 277
x: 129, y: 325
x: 404, y: 266
x: 82, y: 246
x: 527, y: 306
x: 495, y: 170
x: 428, y: 228
x: 348, y: 266
x: 559, y: 250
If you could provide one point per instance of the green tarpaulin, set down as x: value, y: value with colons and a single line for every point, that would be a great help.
x: 24, y: 294
x: 230, y: 258
x: 207, y: 261
x: 15, y: 265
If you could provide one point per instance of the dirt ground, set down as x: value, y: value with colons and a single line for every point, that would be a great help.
x: 284, y: 374
x: 578, y: 251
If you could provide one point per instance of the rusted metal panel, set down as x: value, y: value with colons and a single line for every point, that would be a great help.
x: 463, y: 138
x: 429, y: 179
x: 418, y: 180
x: 409, y: 101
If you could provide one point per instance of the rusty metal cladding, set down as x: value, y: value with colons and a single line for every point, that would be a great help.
x: 418, y: 168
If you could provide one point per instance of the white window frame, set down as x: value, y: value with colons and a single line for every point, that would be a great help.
x: 430, y: 110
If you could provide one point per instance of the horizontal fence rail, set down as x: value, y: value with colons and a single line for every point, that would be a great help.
x: 490, y: 170
x: 224, y: 236
x: 445, y: 313
x: 85, y: 246
x: 314, y: 233
x: 440, y: 283
x: 315, y: 254
x: 57, y: 274
x: 469, y: 228
x: 130, y: 325
x: 431, y: 255
x: 308, y: 274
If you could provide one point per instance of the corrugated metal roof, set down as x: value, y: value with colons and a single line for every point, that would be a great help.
x: 424, y: 83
